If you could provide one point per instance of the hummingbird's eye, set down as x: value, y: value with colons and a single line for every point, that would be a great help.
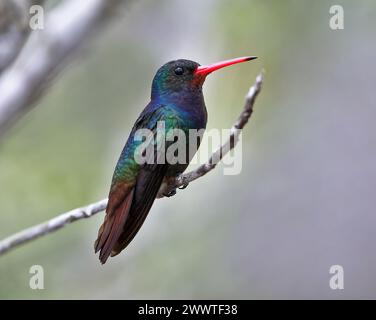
x: 179, y: 71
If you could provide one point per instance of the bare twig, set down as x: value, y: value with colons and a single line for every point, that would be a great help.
x: 66, y: 27
x: 86, y: 212
x: 51, y: 225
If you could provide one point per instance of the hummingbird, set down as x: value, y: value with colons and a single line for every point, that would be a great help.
x: 178, y: 101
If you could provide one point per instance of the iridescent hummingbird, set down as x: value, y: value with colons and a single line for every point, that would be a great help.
x: 177, y: 100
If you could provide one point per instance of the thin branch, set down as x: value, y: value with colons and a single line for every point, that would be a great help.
x: 62, y: 220
x: 46, y: 51
x: 51, y: 225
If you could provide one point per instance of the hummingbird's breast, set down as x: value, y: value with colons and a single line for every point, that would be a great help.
x: 192, y: 121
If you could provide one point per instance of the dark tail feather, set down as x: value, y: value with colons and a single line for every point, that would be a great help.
x: 127, y: 209
x: 112, y: 228
x: 134, y: 222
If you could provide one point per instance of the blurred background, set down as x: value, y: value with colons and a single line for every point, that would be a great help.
x: 303, y: 202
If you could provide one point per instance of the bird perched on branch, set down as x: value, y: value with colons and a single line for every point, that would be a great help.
x: 176, y: 101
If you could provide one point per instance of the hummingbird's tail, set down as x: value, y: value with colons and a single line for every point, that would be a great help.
x: 127, y: 208
x: 112, y: 227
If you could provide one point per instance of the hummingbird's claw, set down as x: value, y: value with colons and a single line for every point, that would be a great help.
x: 171, y: 193
x: 184, y: 186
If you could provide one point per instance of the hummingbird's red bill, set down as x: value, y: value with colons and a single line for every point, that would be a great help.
x: 205, y: 70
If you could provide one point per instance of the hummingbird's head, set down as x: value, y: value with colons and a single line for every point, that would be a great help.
x: 174, y: 76
x: 186, y: 75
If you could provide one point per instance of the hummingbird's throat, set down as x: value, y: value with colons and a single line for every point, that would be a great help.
x: 198, y: 79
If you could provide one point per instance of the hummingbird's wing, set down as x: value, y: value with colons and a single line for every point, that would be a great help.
x: 133, y: 191
x: 148, y: 183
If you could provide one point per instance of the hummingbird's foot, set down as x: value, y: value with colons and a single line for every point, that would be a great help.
x: 184, y: 186
x: 170, y: 193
